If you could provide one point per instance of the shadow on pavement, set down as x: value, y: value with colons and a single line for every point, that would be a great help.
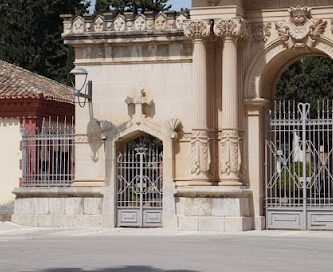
x: 116, y: 269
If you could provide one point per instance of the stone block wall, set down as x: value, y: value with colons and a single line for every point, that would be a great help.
x: 213, y: 212
x: 59, y: 212
x: 6, y: 211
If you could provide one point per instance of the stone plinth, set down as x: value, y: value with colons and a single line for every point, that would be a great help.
x: 214, y: 209
x: 58, y: 208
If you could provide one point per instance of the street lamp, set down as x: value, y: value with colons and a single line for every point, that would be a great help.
x: 87, y: 85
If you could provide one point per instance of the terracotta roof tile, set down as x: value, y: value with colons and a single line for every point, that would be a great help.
x: 16, y: 82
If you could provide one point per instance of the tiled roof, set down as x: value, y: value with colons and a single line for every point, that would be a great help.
x: 16, y: 82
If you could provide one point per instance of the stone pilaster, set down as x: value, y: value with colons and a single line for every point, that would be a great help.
x: 230, y: 140
x: 200, y: 149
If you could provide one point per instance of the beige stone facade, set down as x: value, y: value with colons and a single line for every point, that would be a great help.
x: 216, y: 74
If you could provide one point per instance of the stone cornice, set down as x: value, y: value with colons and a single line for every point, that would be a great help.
x: 129, y: 26
x: 212, y: 191
x: 58, y: 192
x: 124, y: 37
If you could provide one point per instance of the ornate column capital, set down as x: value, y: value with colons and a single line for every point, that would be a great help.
x: 197, y: 29
x: 233, y: 28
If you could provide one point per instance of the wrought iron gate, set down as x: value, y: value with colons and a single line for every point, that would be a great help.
x: 139, y: 185
x: 48, y: 155
x: 299, y: 166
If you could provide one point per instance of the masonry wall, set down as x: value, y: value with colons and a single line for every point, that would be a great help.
x: 10, y: 155
x: 167, y: 84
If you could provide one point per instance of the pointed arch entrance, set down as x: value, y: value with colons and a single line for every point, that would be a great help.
x: 140, y: 182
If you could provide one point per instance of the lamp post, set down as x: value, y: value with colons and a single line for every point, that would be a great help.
x: 87, y: 85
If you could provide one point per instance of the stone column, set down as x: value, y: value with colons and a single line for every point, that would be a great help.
x: 230, y: 148
x: 200, y: 149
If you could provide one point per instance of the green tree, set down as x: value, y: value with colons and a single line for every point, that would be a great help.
x: 120, y: 6
x: 30, y: 32
x: 308, y: 80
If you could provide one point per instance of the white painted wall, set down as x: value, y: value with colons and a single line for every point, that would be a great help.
x: 10, y: 156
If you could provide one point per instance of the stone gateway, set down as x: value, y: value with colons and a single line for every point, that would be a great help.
x: 174, y: 134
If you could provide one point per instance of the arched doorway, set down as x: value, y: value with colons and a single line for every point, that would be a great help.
x: 140, y: 182
x: 298, y: 149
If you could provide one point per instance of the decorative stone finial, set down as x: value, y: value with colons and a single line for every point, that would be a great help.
x: 300, y: 30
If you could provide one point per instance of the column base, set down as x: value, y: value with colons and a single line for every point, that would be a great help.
x: 231, y: 183
x: 230, y: 180
x: 198, y: 182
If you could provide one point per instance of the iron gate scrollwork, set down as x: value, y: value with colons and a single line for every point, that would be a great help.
x: 299, y: 166
x: 140, y: 184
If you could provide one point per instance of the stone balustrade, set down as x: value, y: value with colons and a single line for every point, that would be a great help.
x: 129, y: 22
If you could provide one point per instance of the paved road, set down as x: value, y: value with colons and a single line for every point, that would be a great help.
x: 44, y: 250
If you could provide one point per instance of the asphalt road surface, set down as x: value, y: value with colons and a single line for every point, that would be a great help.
x: 45, y: 250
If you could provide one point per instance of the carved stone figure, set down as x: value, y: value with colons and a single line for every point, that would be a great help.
x: 234, y: 28
x: 300, y: 30
x: 200, y: 152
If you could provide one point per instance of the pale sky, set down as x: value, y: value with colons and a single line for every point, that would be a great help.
x: 176, y: 4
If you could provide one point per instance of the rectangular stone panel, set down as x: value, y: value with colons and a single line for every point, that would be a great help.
x: 152, y: 218
x: 285, y: 219
x: 320, y: 220
x: 129, y: 218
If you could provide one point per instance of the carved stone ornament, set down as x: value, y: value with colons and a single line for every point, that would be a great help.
x: 230, y: 153
x: 99, y: 24
x: 119, y: 23
x: 300, y: 30
x: 78, y: 25
x: 233, y: 28
x: 196, y: 29
x: 67, y: 27
x: 180, y: 21
x: 140, y: 23
x: 200, y: 152
x: 161, y: 22
x: 139, y: 101
x: 261, y: 31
